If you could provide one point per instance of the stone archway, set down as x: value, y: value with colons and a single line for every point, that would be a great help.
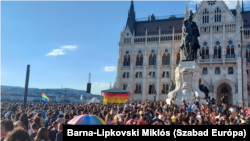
x: 224, y: 90
x: 230, y: 86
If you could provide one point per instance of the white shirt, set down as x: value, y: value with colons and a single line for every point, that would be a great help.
x: 193, y: 107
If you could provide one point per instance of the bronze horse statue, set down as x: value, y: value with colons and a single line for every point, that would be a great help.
x: 188, y: 45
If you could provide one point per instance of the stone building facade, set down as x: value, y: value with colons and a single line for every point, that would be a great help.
x: 149, y: 52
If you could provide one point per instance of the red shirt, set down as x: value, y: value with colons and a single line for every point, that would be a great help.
x: 140, y: 122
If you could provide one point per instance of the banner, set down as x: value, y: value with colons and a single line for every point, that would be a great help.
x: 186, y: 132
x: 114, y: 98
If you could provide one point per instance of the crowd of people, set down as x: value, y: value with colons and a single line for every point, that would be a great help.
x: 44, y: 121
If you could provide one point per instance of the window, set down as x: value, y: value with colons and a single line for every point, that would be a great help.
x: 167, y: 74
x: 230, y: 70
x: 204, y: 70
x: 205, y: 51
x: 127, y: 74
x: 152, y: 89
x: 178, y: 58
x: 138, y: 89
x: 217, y: 50
x: 153, y: 74
x: 163, y: 75
x: 217, y: 16
x: 126, y: 60
x: 140, y: 75
x: 247, y: 53
x: 165, y: 89
x: 136, y: 75
x: 124, y: 75
x: 230, y: 50
x: 168, y: 59
x: 217, y: 70
x: 205, y: 17
x: 150, y: 75
x: 139, y: 60
x: 124, y: 86
x: 164, y: 59
x: 152, y: 59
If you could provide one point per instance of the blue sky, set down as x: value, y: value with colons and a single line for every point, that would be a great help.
x: 65, y: 41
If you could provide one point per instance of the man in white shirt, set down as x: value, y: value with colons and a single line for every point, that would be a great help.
x: 193, y: 107
x: 198, y: 116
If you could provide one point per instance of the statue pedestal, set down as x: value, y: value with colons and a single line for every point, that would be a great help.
x: 187, y: 76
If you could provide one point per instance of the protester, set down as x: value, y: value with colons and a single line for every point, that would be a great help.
x: 6, y: 126
x: 42, y: 135
x: 54, y: 131
x: 34, y: 128
x: 18, y: 135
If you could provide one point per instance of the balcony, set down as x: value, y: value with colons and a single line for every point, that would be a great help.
x: 216, y: 59
x: 152, y: 66
x: 125, y: 67
x: 139, y: 67
x: 165, y: 66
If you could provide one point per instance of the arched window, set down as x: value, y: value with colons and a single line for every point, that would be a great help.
x: 205, y: 17
x: 151, y: 89
x: 138, y: 88
x: 205, y: 51
x: 178, y: 58
x: 168, y: 59
x: 230, y: 50
x: 165, y: 89
x: 152, y: 58
x: 128, y: 62
x: 217, y: 50
x: 139, y: 58
x: 124, y: 86
x: 125, y: 60
x: 217, y: 15
x: 248, y: 53
x: 164, y: 59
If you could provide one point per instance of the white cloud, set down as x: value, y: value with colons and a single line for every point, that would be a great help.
x: 110, y: 68
x: 60, y: 51
x: 230, y: 3
x: 56, y: 52
x: 69, y: 47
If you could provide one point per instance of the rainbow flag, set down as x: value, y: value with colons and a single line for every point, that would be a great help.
x: 115, y: 98
x: 45, y: 97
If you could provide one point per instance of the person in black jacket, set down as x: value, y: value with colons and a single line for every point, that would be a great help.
x: 34, y: 127
x: 59, y: 135
x: 54, y: 131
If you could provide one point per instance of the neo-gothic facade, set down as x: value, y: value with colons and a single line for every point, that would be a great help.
x: 149, y: 52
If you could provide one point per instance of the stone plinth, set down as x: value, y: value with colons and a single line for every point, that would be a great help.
x: 187, y: 76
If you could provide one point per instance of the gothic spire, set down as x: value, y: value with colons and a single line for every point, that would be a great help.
x: 196, y: 6
x: 242, y: 6
x: 186, y: 12
x: 131, y: 17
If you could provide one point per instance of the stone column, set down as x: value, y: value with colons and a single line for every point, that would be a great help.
x: 132, y: 76
x: 245, y: 93
x: 145, y: 75
x: 240, y: 81
x: 158, y: 77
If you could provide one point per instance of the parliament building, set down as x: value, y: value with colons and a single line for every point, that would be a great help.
x: 149, y: 52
